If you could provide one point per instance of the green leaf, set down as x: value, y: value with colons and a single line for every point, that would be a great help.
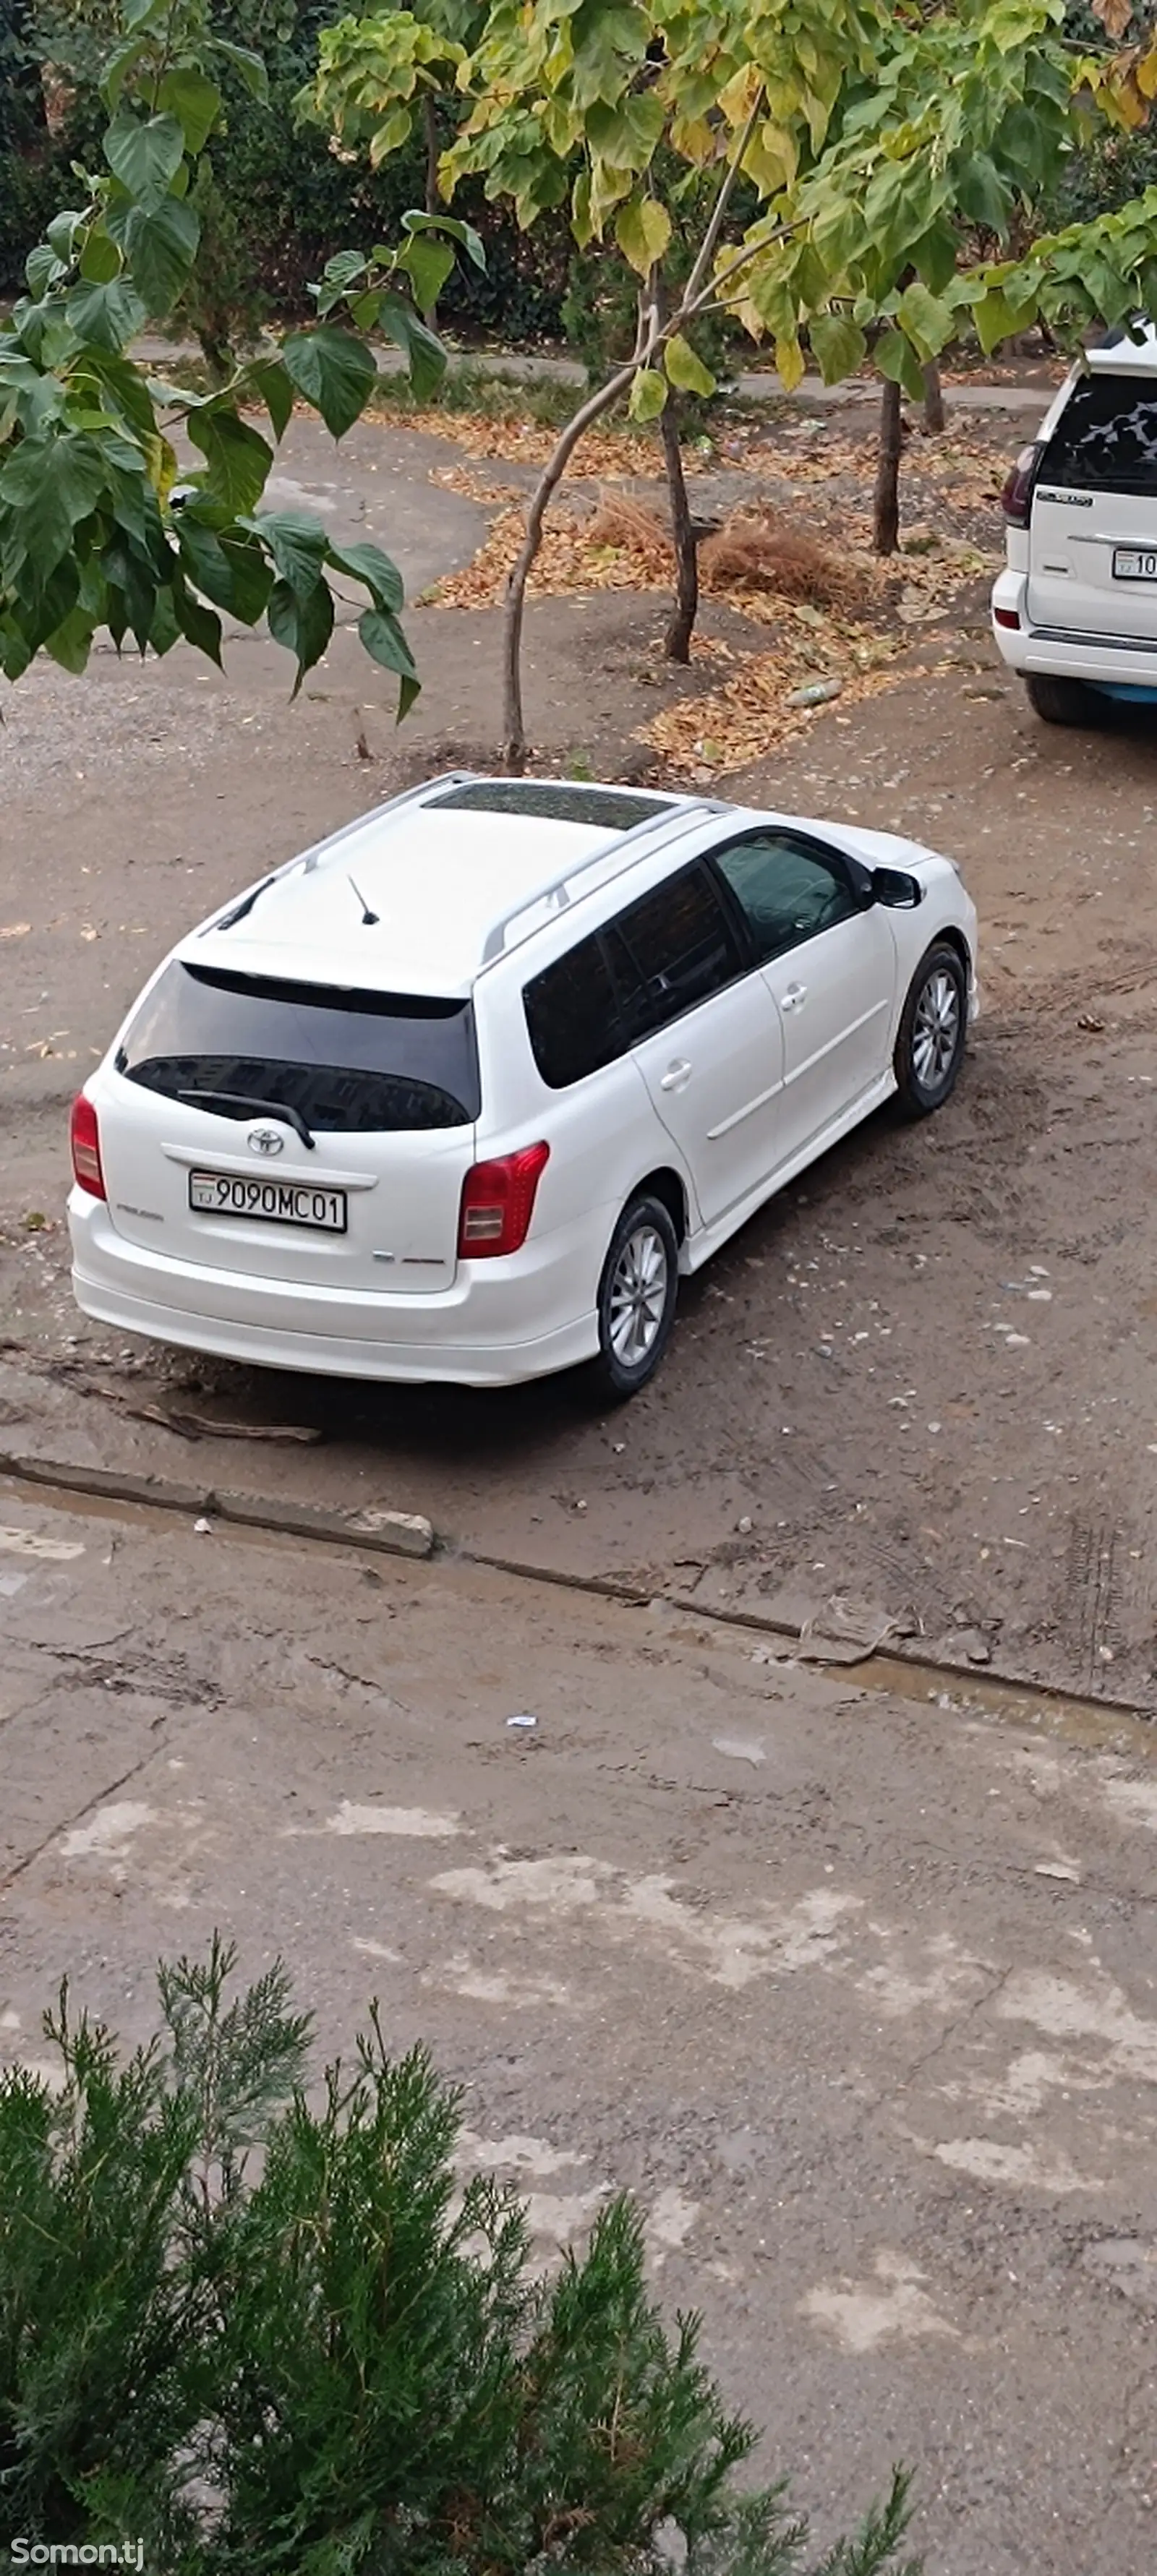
x: 981, y: 193
x: 298, y: 547
x: 386, y: 645
x: 452, y: 225
x: 269, y: 379
x: 237, y: 458
x: 684, y: 369
x: 896, y: 358
x: 61, y: 234
x: 41, y: 268
x: 230, y: 570
x: 160, y: 248
x: 100, y: 260
x: 71, y: 642
x: 929, y: 323
x: 333, y: 371
x: 648, y: 395
x: 367, y: 563
x: 194, y: 101
x: 145, y: 154
x: 425, y: 356
x: 428, y: 264
x: 838, y: 345
x: 642, y: 231
x: 124, y: 388
x: 109, y: 316
x: 248, y: 66
x: 303, y: 626
x: 199, y: 625
x: 50, y: 485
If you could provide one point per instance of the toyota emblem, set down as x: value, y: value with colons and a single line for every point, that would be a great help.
x: 265, y: 1140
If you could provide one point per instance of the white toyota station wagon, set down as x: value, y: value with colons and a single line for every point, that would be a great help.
x: 462, y: 1092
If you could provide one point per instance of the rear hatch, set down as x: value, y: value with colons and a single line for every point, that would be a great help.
x: 293, y: 1131
x: 1093, y: 530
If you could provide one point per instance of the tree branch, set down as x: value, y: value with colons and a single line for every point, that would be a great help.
x: 710, y: 239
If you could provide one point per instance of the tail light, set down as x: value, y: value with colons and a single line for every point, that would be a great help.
x: 498, y: 1203
x: 1007, y: 617
x: 86, y: 1163
x: 1016, y: 498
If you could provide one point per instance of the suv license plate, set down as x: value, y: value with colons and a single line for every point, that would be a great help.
x: 1134, y: 563
x: 274, y: 1202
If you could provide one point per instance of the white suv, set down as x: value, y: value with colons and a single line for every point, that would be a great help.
x: 459, y: 1094
x: 1075, y: 610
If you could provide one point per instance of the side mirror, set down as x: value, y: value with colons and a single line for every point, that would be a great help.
x: 894, y: 887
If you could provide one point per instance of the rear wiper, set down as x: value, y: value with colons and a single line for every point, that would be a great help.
x: 246, y: 1100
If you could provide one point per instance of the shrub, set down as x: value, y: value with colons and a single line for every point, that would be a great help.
x: 328, y: 2359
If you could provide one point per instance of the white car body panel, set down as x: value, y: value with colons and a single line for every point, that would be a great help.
x: 771, y: 1084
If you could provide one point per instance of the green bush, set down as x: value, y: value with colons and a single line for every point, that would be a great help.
x: 326, y: 2359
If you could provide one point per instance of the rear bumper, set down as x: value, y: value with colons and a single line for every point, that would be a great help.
x: 1102, y: 661
x: 476, y: 1334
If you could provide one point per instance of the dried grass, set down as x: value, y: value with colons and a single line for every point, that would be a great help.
x: 754, y: 554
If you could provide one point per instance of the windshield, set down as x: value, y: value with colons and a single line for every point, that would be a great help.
x: 344, y: 1062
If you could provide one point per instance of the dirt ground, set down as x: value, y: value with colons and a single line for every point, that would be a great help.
x: 855, y: 1992
x: 925, y: 1375
x: 856, y: 1989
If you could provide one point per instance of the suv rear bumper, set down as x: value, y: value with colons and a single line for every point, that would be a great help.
x: 472, y: 1335
x: 1064, y: 653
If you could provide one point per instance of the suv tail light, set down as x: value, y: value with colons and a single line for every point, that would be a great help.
x: 86, y: 1164
x: 1016, y: 498
x: 498, y: 1203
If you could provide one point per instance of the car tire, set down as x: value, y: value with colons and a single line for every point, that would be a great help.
x: 1062, y: 702
x: 636, y: 1302
x: 932, y: 1034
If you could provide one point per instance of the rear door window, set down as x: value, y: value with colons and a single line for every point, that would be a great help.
x: 344, y: 1062
x: 671, y: 950
x: 1106, y: 438
x: 572, y: 1015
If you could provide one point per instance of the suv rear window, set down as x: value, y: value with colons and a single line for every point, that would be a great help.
x: 1106, y: 437
x: 345, y: 1062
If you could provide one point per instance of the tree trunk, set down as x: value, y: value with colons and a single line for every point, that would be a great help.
x: 677, y: 641
x: 433, y: 198
x: 886, y: 521
x: 933, y: 399
x: 513, y: 726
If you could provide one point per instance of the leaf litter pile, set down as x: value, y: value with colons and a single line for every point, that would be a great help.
x: 790, y: 551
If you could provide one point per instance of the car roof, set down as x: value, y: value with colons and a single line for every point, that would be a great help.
x: 417, y: 896
x: 1122, y: 354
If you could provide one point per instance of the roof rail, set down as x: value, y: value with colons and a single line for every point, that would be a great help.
x: 307, y: 860
x: 619, y: 853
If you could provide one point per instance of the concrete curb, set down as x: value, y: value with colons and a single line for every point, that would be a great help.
x: 410, y: 1534
x: 390, y: 1533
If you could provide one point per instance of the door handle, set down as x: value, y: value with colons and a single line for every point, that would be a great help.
x: 791, y: 999
x: 676, y: 1076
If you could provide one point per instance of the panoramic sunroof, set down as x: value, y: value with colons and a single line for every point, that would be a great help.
x: 607, y: 809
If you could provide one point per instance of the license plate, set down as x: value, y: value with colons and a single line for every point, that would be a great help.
x: 273, y: 1202
x: 1134, y: 563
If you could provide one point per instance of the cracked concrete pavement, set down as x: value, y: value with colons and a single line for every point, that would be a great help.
x: 856, y: 1992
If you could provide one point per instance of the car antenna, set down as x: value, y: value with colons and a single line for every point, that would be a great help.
x: 369, y: 919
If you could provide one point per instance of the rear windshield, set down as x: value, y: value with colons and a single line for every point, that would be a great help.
x: 346, y: 1062
x: 1106, y: 438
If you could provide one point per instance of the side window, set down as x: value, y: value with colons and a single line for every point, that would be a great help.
x: 673, y: 948
x: 571, y: 1016
x: 787, y: 890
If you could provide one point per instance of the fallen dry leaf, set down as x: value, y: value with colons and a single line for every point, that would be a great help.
x: 15, y: 929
